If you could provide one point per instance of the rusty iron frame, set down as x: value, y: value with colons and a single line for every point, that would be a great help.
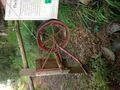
x: 58, y: 47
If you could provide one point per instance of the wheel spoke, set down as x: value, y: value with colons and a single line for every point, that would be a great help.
x: 53, y: 35
x: 45, y: 42
x: 46, y: 34
x: 46, y: 59
x: 61, y: 40
x: 57, y: 33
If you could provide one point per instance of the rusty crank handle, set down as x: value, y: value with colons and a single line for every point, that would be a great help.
x: 75, y: 58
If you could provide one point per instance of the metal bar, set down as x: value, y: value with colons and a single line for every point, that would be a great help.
x: 58, y: 62
x: 47, y: 57
x: 75, y: 58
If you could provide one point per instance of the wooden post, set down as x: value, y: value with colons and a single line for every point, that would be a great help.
x: 21, y: 45
x: 23, y: 54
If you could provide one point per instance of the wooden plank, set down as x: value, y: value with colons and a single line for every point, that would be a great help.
x: 21, y: 45
x: 28, y: 72
x: 33, y: 72
x: 47, y: 72
x: 55, y: 72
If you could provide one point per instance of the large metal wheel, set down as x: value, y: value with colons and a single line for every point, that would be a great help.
x: 52, y: 32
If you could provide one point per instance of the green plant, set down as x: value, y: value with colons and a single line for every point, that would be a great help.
x: 66, y: 15
x: 81, y: 15
x: 28, y: 30
x: 100, y: 73
x: 114, y: 74
x: 113, y: 3
x: 76, y: 15
x: 8, y: 69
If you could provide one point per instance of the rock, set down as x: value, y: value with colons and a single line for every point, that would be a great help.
x: 86, y: 2
x: 108, y: 54
x: 70, y: 1
x: 113, y: 27
x: 116, y: 45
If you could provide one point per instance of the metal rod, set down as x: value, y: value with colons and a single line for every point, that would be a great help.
x: 47, y: 57
x: 75, y: 58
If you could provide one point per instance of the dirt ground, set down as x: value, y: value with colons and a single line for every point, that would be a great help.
x: 60, y: 82
x: 84, y: 45
x: 88, y: 45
